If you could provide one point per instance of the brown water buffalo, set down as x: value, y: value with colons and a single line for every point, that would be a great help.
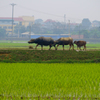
x: 80, y: 44
x: 43, y: 41
x: 65, y: 41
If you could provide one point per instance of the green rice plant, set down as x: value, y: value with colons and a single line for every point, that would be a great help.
x: 19, y: 80
x: 25, y: 45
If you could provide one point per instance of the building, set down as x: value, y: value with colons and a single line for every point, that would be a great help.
x: 6, y: 22
x: 96, y: 23
x: 77, y: 36
x: 54, y: 36
x: 27, y: 20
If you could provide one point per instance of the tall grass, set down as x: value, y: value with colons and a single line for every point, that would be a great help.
x: 54, y: 80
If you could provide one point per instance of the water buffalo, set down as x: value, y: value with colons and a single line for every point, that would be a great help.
x: 65, y: 41
x: 43, y: 41
x: 80, y: 43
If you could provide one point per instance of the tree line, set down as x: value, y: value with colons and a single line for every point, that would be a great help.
x: 52, y: 27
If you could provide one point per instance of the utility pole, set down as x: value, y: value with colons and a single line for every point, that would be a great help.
x: 79, y: 31
x: 12, y: 15
x: 69, y: 28
x: 64, y: 21
x: 18, y: 30
x: 64, y: 18
x: 30, y: 25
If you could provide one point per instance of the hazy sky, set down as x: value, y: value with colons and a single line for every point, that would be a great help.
x: 75, y: 10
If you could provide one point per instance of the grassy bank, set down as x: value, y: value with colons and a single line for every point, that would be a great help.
x: 49, y: 56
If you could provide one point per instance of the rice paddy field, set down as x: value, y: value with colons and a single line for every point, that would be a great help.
x: 30, y: 74
x: 25, y: 45
x: 34, y: 81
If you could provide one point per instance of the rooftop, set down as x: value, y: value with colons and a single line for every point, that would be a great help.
x: 10, y: 18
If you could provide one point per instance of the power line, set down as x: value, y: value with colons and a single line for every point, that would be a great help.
x: 4, y: 6
x: 47, y: 13
x: 30, y: 9
x: 39, y: 11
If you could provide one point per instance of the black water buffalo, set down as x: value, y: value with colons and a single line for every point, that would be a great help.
x: 80, y: 44
x: 65, y: 41
x: 43, y: 41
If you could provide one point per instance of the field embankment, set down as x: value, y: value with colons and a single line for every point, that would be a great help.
x: 20, y: 52
x: 49, y: 56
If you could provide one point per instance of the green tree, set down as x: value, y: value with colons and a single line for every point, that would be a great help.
x: 95, y: 32
x: 19, y: 29
x: 2, y: 32
x: 86, y: 23
x: 86, y: 33
x: 36, y: 28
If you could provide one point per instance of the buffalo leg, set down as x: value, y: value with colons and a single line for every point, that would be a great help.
x: 69, y: 46
x: 41, y: 47
x: 63, y: 47
x: 50, y: 47
x: 57, y: 46
x: 84, y: 47
x: 77, y: 47
x: 73, y: 46
x: 36, y: 46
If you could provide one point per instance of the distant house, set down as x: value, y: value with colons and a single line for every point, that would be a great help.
x: 77, y: 36
x: 49, y: 21
x: 6, y: 22
x: 26, y: 34
x: 96, y: 23
x: 38, y: 21
x: 54, y: 36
